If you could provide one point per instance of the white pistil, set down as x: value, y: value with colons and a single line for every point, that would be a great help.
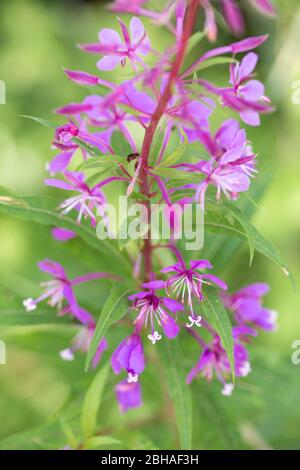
x: 29, y: 304
x: 67, y: 355
x: 227, y: 390
x: 132, y: 378
x: 155, y: 337
x: 194, y: 321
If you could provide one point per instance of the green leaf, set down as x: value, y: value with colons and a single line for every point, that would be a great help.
x: 156, y: 144
x: 68, y: 433
x: 183, y: 177
x: 43, y: 210
x: 177, y: 154
x: 172, y: 360
x: 244, y: 222
x: 120, y: 145
x: 194, y: 40
x: 23, y: 318
x: 101, y: 441
x: 103, y: 161
x: 217, y: 316
x: 218, y: 222
x: 92, y: 402
x: 43, y: 122
x: 90, y: 149
x: 115, y: 307
x: 215, y: 61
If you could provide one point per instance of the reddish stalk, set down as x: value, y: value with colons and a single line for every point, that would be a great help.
x: 190, y: 17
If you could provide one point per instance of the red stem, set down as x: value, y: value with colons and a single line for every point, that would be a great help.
x: 190, y: 17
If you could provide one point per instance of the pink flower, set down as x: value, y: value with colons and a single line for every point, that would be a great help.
x: 153, y: 308
x: 129, y: 395
x: 232, y: 163
x: 59, y: 291
x: 82, y: 342
x: 214, y: 360
x: 246, y: 304
x: 247, y: 95
x: 129, y: 356
x: 88, y: 200
x: 64, y: 140
x: 233, y: 16
x: 187, y: 283
x: 115, y: 50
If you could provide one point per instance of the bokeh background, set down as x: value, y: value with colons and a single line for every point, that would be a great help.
x: 38, y: 39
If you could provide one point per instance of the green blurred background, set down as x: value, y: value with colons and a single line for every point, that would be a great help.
x: 38, y: 38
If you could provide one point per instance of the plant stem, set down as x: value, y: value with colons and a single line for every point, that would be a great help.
x: 190, y: 17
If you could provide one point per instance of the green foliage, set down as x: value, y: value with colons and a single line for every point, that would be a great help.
x: 216, y: 314
x: 46, y: 411
x: 115, y: 307
x: 92, y: 402
x: 172, y: 359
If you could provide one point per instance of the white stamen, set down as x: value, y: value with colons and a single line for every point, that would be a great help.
x: 155, y: 337
x: 67, y: 355
x: 227, y: 390
x: 194, y: 321
x: 29, y: 304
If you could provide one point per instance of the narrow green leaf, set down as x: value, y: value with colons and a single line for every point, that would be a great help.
x: 92, y: 402
x: 172, y: 360
x: 194, y: 40
x: 90, y: 149
x: 43, y: 122
x: 115, y: 307
x: 243, y: 220
x: 217, y: 316
x: 178, y: 175
x: 43, y: 210
x: 216, y: 221
x: 215, y: 61
x: 101, y: 441
x: 176, y: 155
x: 103, y: 161
x: 68, y: 433
x: 20, y: 317
x: 120, y: 145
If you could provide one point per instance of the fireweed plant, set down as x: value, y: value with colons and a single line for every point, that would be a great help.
x: 150, y: 137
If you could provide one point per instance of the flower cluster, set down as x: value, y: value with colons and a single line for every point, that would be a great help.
x: 161, y: 96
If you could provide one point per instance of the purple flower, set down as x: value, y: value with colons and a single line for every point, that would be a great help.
x: 129, y: 356
x: 233, y: 16
x: 115, y: 50
x: 232, y: 163
x: 153, y: 308
x: 88, y: 199
x: 247, y: 95
x: 64, y: 140
x: 60, y: 290
x: 125, y: 6
x: 82, y: 342
x: 214, y: 359
x: 265, y: 6
x: 128, y: 395
x: 187, y: 283
x: 246, y: 304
